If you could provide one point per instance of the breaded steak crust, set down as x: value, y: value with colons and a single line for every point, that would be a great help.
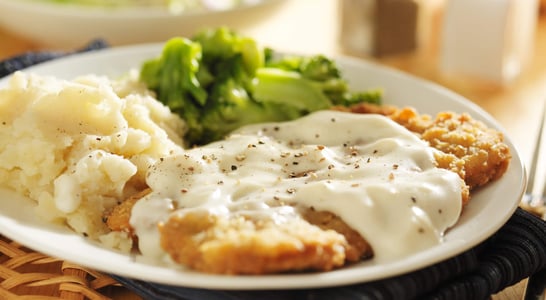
x: 467, y: 146
x: 320, y: 240
x: 213, y: 244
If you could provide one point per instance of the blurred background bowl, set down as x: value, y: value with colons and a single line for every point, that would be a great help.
x: 57, y: 25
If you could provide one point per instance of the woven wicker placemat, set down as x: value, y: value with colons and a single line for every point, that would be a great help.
x: 26, y: 274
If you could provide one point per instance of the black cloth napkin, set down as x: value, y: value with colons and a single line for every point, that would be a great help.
x: 28, y: 59
x: 515, y: 252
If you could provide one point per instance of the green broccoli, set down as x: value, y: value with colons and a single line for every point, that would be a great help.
x: 290, y: 88
x: 173, y: 76
x: 323, y: 73
x: 219, y: 81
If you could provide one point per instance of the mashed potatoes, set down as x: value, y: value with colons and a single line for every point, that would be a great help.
x: 78, y: 147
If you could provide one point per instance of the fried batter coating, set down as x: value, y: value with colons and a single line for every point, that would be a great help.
x: 118, y: 218
x: 357, y: 249
x: 320, y: 241
x: 238, y: 245
x: 467, y: 146
x: 243, y: 246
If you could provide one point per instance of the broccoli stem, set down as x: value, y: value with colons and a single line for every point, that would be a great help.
x: 290, y: 88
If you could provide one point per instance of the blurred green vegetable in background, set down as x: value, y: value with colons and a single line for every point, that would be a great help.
x: 219, y: 81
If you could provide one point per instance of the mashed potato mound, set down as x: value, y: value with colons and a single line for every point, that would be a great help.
x: 78, y: 147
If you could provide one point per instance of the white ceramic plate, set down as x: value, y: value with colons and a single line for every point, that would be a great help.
x: 70, y: 26
x: 488, y: 210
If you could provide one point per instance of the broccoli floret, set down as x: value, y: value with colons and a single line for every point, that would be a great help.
x: 374, y: 96
x: 233, y: 61
x: 238, y: 109
x: 317, y: 67
x: 173, y: 76
x: 290, y: 88
x: 219, y: 81
x: 324, y: 74
x: 222, y: 45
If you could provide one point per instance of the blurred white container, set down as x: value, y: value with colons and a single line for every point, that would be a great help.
x: 489, y: 39
x: 68, y: 26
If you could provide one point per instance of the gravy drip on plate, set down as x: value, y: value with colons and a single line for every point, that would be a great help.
x: 373, y: 173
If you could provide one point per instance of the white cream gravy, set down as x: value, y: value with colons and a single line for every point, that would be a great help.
x: 373, y: 173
